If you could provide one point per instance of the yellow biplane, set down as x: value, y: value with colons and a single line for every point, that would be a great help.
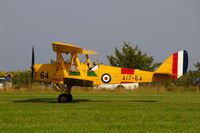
x: 66, y: 73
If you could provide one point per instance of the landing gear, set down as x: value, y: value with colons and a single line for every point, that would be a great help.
x: 65, y: 98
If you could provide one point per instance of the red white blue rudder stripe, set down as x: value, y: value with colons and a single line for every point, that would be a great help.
x: 180, y: 64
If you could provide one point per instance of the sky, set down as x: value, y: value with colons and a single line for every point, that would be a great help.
x: 158, y: 27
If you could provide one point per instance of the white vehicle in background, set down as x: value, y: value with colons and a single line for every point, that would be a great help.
x: 2, y: 83
x: 127, y: 86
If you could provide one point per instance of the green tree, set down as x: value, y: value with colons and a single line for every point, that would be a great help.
x: 190, y: 76
x: 21, y: 78
x: 132, y: 57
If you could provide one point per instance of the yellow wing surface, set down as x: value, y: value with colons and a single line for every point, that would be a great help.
x: 70, y: 48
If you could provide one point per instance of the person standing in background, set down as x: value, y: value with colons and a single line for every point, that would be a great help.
x: 8, y: 79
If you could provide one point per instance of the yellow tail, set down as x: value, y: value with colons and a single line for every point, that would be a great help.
x: 176, y: 65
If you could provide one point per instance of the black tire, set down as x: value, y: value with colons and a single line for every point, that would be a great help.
x: 64, y: 98
x: 69, y: 98
x: 120, y: 87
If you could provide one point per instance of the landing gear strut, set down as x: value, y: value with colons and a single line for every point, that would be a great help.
x: 66, y: 96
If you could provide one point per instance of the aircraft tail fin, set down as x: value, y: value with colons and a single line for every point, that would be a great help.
x: 176, y: 65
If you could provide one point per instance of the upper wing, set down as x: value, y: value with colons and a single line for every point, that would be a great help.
x: 70, y: 48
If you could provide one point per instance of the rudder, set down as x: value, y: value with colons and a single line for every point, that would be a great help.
x: 176, y: 65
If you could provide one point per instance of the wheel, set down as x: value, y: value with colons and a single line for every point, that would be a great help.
x: 120, y: 87
x: 64, y: 98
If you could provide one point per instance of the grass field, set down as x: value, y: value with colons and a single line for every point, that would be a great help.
x: 96, y: 111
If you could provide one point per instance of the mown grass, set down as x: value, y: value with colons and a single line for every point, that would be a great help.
x: 100, y: 111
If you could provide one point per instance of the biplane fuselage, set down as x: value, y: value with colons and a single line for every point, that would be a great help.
x: 73, y: 72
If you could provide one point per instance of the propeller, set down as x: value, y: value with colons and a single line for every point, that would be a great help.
x: 32, y: 65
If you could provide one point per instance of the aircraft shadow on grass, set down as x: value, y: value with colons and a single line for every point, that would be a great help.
x: 47, y: 100
x: 53, y: 100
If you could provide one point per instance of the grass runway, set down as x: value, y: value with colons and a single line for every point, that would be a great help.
x: 96, y: 111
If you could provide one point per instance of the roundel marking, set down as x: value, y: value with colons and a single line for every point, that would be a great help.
x: 106, y: 78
